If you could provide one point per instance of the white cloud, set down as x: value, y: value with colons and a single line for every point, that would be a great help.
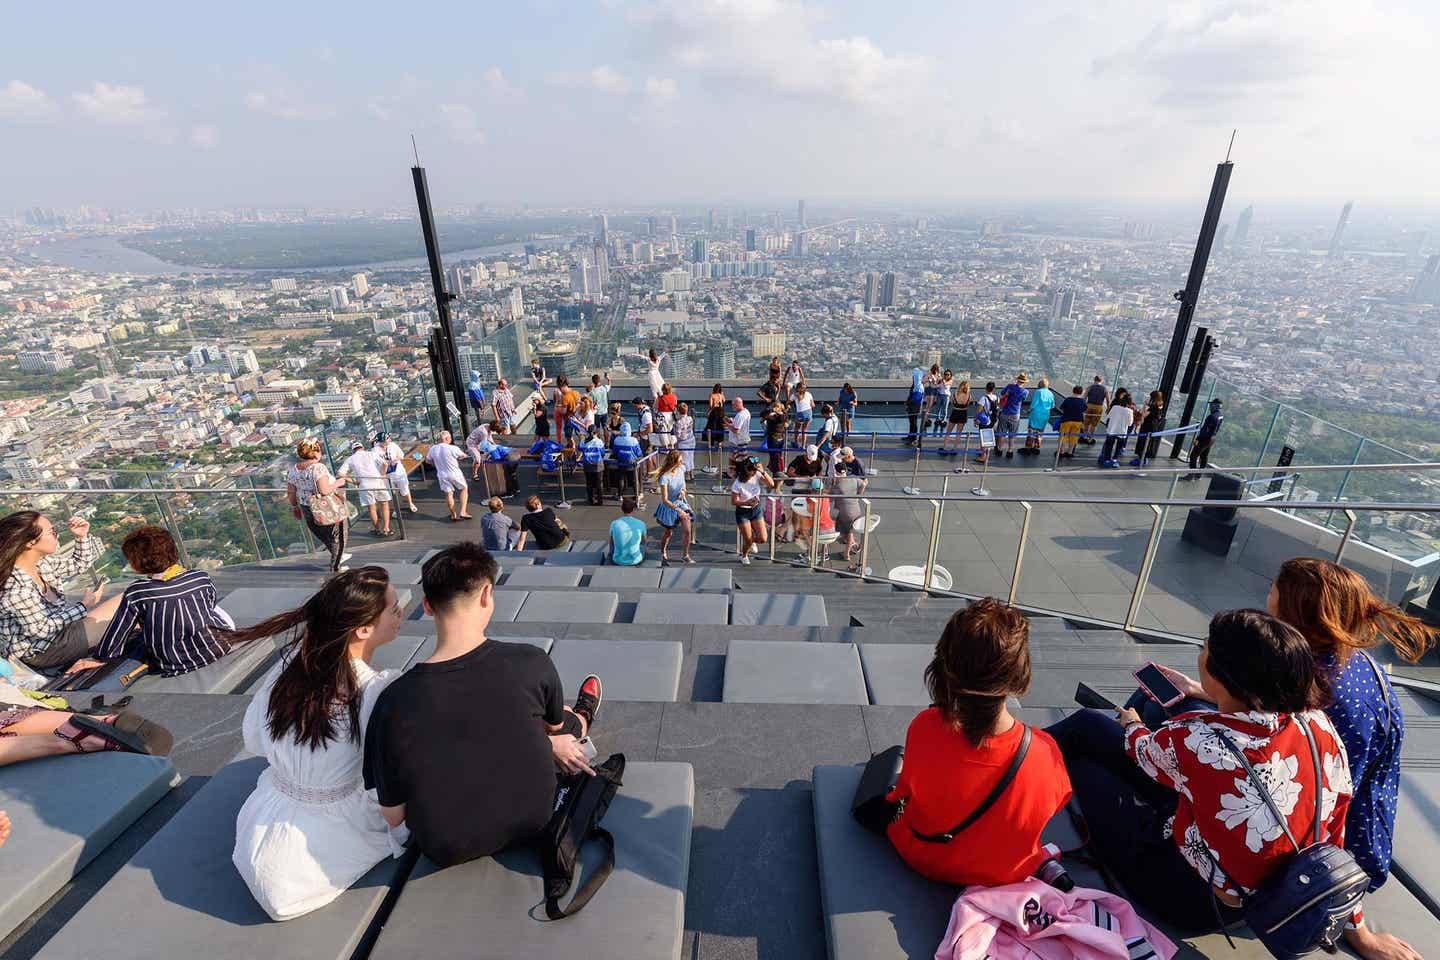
x: 20, y: 101
x: 116, y: 104
x: 498, y: 85
x: 660, y: 90
x: 274, y: 103
x: 773, y: 46
x: 604, y: 78
x: 462, y: 124
x: 206, y: 136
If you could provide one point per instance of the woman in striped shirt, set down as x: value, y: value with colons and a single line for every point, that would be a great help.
x: 169, y: 619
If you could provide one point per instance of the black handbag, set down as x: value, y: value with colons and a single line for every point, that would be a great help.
x: 581, y: 800
x: 869, y: 806
x: 1305, y: 904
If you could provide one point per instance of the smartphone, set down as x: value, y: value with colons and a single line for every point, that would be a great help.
x: 1154, y: 682
x: 1087, y: 697
x: 590, y: 752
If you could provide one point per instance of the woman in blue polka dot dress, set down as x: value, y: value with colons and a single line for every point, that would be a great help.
x: 1337, y: 612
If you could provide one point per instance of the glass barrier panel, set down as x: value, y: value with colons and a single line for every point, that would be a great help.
x: 1083, y: 559
x: 1248, y: 419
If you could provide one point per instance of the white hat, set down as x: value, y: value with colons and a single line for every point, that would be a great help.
x: 811, y: 452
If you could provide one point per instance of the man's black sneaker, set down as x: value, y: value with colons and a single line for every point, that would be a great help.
x: 587, y: 701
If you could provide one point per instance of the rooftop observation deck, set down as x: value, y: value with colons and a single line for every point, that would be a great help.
x: 754, y: 689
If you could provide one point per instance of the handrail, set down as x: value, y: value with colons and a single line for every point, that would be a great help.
x: 1357, y: 505
x: 105, y: 491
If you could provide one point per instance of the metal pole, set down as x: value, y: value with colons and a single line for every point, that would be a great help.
x: 1020, y: 554
x: 397, y: 512
x: 964, y: 450
x: 865, y: 542
x: 1345, y: 480
x: 249, y: 525
x: 814, y: 532
x: 1260, y: 457
x: 564, y: 503
x: 1149, y: 559
x: 980, y: 491
x: 775, y: 498
x: 929, y: 573
x: 448, y: 355
x: 913, y: 490
x: 179, y: 537
x: 1350, y: 519
x: 250, y: 477
x: 872, y: 452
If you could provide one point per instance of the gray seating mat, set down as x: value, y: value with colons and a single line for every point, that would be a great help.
x: 895, y: 673
x: 506, y: 558
x: 247, y: 606
x: 777, y: 610
x: 696, y: 578
x: 1416, y: 857
x: 63, y: 811
x: 397, y: 654
x: 229, y: 674
x: 427, y: 646
x: 629, y: 669
x: 563, y: 606
x: 625, y: 578
x: 546, y: 576
x: 683, y: 608
x: 793, y: 671
x: 574, y: 558
x: 588, y: 546
x: 181, y: 896
x: 487, y: 907
x: 401, y: 574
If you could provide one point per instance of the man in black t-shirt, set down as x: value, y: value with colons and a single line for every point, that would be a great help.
x: 807, y: 464
x: 775, y: 423
x: 464, y: 747
x: 541, y: 523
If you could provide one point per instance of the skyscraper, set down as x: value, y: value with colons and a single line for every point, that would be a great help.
x: 339, y: 299
x: 767, y: 343
x: 1062, y: 303
x: 1242, y: 225
x: 1337, y: 239
x: 700, y: 250
x: 602, y: 268
x: 514, y: 304
x: 360, y: 285
x: 872, y: 291
x: 459, y: 280
x: 710, y: 220
x: 800, y: 213
x: 652, y: 225
x: 750, y: 240
x: 1220, y: 237
x: 889, y: 289
x: 797, y: 247
x: 719, y: 360
x: 674, y: 225
x: 602, y: 229
x: 1427, y: 284
x: 512, y: 345
x: 580, y: 278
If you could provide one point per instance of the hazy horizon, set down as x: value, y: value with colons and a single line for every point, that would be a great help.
x: 716, y: 103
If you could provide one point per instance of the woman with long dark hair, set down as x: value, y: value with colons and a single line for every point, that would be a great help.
x: 310, y: 829
x: 39, y: 625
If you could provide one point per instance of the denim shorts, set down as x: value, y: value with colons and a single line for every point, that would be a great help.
x: 747, y: 514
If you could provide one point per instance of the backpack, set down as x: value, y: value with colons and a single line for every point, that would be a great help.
x: 982, y: 415
x: 1305, y: 904
x: 581, y: 800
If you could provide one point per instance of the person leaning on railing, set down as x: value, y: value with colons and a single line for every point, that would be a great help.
x: 39, y: 625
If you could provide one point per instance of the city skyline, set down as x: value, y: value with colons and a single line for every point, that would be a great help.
x: 721, y: 102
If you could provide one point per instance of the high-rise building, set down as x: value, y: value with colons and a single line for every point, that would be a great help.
x: 699, y: 250
x: 652, y: 226
x: 459, y: 281
x: 602, y: 229
x: 889, y: 289
x: 675, y: 281
x: 44, y: 361
x: 580, y: 278
x: 501, y: 269
x: 750, y: 240
x: 514, y: 304
x: 1427, y: 284
x: 872, y: 291
x: 238, y: 361
x: 1242, y: 225
x: 483, y: 360
x: 770, y: 343
x: 282, y: 285
x: 800, y: 213
x: 719, y: 360
x: 511, y: 343
x: 559, y: 358
x: 797, y: 246
x: 339, y: 299
x: 710, y: 220
x: 1337, y: 239
x: 602, y: 268
x: 360, y: 284
x: 1220, y: 235
x: 674, y: 225
x: 1044, y: 271
x: 1062, y: 305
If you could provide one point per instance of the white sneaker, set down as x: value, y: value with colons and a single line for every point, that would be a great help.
x: 342, y: 568
x: 745, y: 560
x: 346, y: 557
x: 754, y: 549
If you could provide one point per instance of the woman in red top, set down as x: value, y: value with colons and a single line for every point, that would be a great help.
x: 1170, y: 810
x: 957, y: 751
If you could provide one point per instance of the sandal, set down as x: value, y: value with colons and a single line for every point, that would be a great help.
x: 127, y: 731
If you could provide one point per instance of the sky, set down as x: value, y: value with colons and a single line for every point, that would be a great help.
x: 605, y: 103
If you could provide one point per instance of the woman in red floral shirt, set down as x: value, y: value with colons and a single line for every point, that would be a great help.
x: 1170, y: 810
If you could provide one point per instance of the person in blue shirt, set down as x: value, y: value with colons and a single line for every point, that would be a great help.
x: 845, y: 409
x: 627, y: 454
x: 592, y: 459
x: 476, y: 393
x: 1042, y: 401
x: 627, y: 536
x: 913, y: 403
x: 1012, y: 398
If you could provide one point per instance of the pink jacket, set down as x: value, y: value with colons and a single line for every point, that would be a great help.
x: 1031, y: 920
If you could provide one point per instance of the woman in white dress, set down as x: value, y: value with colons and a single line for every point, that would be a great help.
x: 685, y: 438
x: 310, y: 829
x: 656, y: 378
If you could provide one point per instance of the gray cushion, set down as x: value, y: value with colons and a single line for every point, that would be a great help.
x: 625, y: 578
x: 588, y: 546
x: 401, y: 574
x: 874, y: 906
x: 544, y: 577
x: 247, y: 606
x: 696, y: 578
x: 487, y: 907
x: 895, y: 672
x: 564, y: 606
x: 397, y: 654
x: 230, y: 674
x: 506, y: 558
x: 1417, y: 834
x: 574, y: 558
x: 507, y: 604
x: 793, y: 671
x: 181, y: 896
x: 778, y: 610
x: 683, y: 608
x: 629, y: 669
x: 427, y: 646
x: 64, y: 811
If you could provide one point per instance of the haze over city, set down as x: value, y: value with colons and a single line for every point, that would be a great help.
x: 730, y: 101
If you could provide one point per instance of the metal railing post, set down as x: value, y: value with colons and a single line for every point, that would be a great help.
x: 1020, y: 553
x: 1350, y: 519
x: 249, y: 525
x: 1156, y: 526
x: 814, y: 532
x: 865, y: 542
x: 913, y: 490
x: 934, y: 545
x: 775, y: 498
x: 1345, y: 480
x: 397, y: 513
x: 872, y: 451
x: 260, y: 509
x: 1265, y: 444
x: 175, y: 528
x: 564, y: 503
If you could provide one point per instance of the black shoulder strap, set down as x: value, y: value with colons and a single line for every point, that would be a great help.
x: 592, y: 883
x: 988, y: 802
x: 1384, y: 692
